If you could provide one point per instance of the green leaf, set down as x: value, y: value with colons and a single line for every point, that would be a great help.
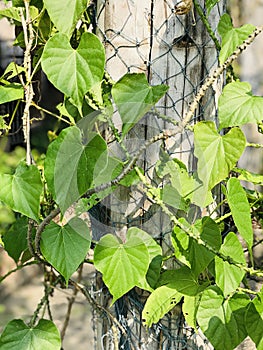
x: 17, y: 335
x: 154, y: 251
x: 11, y: 92
x: 229, y: 276
x: 154, y: 271
x: 65, y: 247
x: 123, y: 265
x: 237, y: 106
x: 172, y: 197
x: 254, y: 321
x: 216, y: 154
x: 200, y: 256
x: 222, y: 321
x: 65, y: 14
x: 209, y: 4
x: 232, y: 37
x: 161, y: 301
x: 15, y: 239
x: 240, y: 210
x: 189, y: 251
x: 190, y: 306
x: 11, y: 13
x: 182, y: 279
x: 70, y: 164
x: 22, y: 190
x: 134, y: 97
x: 74, y: 72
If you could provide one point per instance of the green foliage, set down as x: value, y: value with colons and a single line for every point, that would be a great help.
x: 17, y: 335
x: 202, y: 274
x: 65, y: 247
x: 237, y: 106
x: 231, y: 37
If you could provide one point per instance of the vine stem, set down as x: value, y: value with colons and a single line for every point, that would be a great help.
x: 28, y: 86
x: 19, y: 267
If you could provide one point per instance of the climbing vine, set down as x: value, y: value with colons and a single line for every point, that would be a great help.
x: 211, y: 279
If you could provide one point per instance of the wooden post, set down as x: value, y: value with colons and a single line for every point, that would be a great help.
x: 146, y: 36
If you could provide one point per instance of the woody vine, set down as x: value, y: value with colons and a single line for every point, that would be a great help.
x: 211, y: 280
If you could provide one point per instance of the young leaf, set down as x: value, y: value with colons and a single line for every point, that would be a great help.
x: 65, y: 247
x: 74, y: 72
x: 222, y: 321
x: 123, y: 265
x: 254, y: 321
x: 15, y: 239
x: 216, y: 154
x: 229, y: 276
x: 70, y: 164
x: 134, y: 97
x: 161, y: 301
x: 65, y: 14
x: 231, y: 37
x: 245, y: 175
x: 17, y: 335
x: 237, y: 106
x: 22, y: 190
x: 11, y: 92
x: 240, y: 210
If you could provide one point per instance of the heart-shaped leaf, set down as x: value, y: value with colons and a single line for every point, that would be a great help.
x: 65, y: 14
x: 240, y: 210
x: 209, y: 4
x: 231, y: 37
x: 22, y: 190
x: 254, y: 321
x: 65, y: 247
x: 222, y: 321
x: 17, y: 335
x: 74, y: 72
x: 134, y: 97
x: 237, y: 106
x: 161, y: 301
x: 216, y: 154
x: 123, y: 265
x: 229, y: 276
x: 70, y: 164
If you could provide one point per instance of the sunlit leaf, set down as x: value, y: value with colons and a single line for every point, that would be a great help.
x: 229, y: 276
x: 216, y: 154
x: 237, y: 106
x: 240, y: 209
x: 11, y: 92
x: 123, y: 265
x: 231, y: 37
x: 161, y: 301
x: 65, y: 14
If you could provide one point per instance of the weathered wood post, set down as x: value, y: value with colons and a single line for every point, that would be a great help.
x: 147, y: 36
